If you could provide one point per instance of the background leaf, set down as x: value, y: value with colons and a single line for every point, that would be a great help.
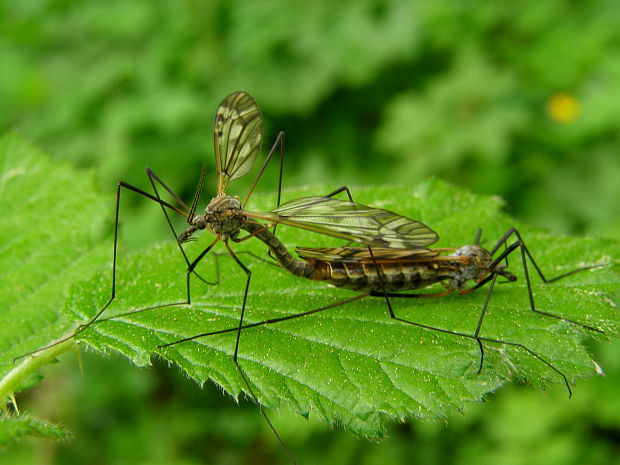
x: 50, y: 237
x: 14, y: 427
x: 396, y: 90
x: 50, y: 232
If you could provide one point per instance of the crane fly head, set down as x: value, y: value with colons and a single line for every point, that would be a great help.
x: 224, y: 217
x: 198, y: 222
x: 474, y: 265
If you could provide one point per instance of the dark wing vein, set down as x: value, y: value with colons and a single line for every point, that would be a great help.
x: 352, y: 221
x: 361, y: 254
x: 238, y: 135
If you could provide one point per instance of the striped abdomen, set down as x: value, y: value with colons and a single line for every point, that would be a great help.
x: 363, y: 275
x: 355, y: 275
x: 393, y: 270
x: 400, y: 269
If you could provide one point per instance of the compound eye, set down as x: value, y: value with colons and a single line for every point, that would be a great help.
x: 199, y: 222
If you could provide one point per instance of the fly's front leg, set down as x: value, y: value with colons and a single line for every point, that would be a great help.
x: 248, y: 273
x: 525, y: 255
x: 153, y: 178
x: 476, y: 337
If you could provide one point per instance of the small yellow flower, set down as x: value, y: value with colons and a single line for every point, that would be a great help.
x: 563, y: 107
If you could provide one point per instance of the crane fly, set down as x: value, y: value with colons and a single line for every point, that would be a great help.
x: 387, y: 272
x: 238, y: 133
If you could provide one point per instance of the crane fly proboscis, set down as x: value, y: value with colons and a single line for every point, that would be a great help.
x: 387, y: 272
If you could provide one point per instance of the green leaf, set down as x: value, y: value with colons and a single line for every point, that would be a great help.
x: 14, y: 427
x: 351, y: 365
x: 49, y: 239
x: 49, y: 231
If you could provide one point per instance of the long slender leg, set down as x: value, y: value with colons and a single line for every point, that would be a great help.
x: 192, y: 266
x: 187, y: 300
x: 476, y: 336
x: 331, y: 194
x: 387, y: 295
x: 508, y: 249
x: 153, y: 177
x: 478, y: 339
x: 339, y: 190
x: 251, y: 254
x: 82, y: 327
x: 526, y: 250
x: 290, y: 455
x: 492, y: 277
x: 248, y: 273
x: 525, y: 253
x: 266, y: 322
x: 482, y: 314
x: 478, y: 236
x: 279, y: 141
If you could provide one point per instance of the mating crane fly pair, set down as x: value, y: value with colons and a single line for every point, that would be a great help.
x: 395, y: 256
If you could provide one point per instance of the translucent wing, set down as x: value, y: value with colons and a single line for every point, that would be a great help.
x: 238, y: 135
x: 353, y: 222
x: 361, y: 254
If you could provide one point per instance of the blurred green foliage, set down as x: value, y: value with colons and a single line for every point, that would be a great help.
x: 368, y: 92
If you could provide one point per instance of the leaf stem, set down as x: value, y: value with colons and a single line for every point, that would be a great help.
x: 28, y: 366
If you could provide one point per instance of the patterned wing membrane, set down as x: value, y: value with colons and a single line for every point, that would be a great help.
x: 238, y: 135
x: 352, y: 221
x: 361, y: 254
